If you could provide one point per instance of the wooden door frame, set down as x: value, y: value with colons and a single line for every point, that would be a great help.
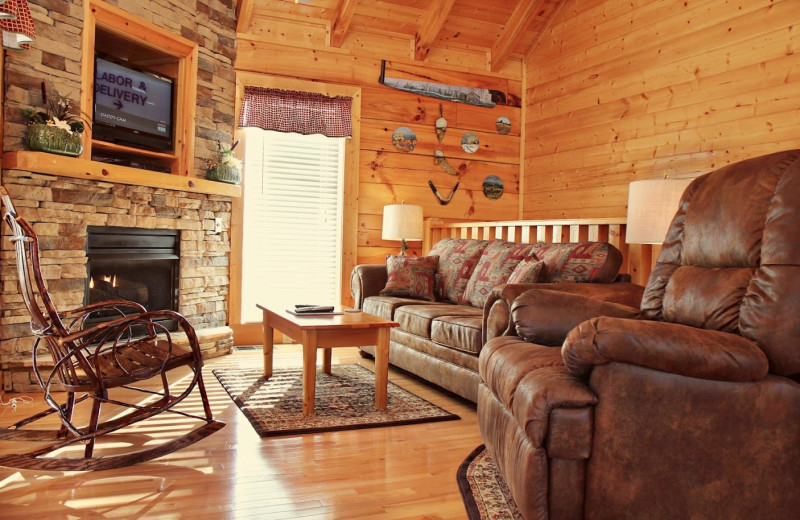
x: 251, y: 333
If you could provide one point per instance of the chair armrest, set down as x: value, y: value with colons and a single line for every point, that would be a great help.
x: 367, y: 280
x: 668, y: 347
x: 497, y: 318
x: 545, y: 316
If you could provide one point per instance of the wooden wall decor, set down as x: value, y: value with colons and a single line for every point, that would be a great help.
x: 471, y: 95
x: 444, y: 201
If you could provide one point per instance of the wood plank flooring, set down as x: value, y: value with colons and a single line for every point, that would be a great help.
x: 402, y: 472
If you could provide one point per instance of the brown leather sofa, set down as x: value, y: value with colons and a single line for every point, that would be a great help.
x: 440, y: 340
x: 690, y: 409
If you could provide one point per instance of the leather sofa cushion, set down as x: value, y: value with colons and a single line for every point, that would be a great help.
x: 418, y: 319
x: 458, y: 332
x: 385, y: 306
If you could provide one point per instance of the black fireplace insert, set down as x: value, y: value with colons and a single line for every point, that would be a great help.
x: 141, y: 265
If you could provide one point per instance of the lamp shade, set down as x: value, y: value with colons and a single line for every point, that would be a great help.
x: 651, y: 206
x: 402, y: 222
x: 17, y: 26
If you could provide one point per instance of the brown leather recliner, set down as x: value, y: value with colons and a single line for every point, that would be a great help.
x: 689, y: 410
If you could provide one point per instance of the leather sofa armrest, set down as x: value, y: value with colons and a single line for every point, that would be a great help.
x: 497, y: 318
x: 367, y: 280
x: 668, y: 347
x: 497, y: 311
x: 545, y: 316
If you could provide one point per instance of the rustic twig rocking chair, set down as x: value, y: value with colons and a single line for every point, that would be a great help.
x: 90, y: 360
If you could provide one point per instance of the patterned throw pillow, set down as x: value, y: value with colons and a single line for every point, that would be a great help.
x: 579, y: 262
x: 457, y: 259
x: 410, y: 277
x: 527, y: 271
x: 494, y: 267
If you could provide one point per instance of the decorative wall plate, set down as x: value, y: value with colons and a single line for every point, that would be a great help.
x: 470, y: 142
x: 404, y: 139
x: 493, y: 187
x: 503, y: 125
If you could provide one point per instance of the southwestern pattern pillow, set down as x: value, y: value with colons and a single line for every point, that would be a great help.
x: 579, y: 262
x: 457, y: 259
x: 410, y: 277
x: 494, y: 267
x: 527, y: 271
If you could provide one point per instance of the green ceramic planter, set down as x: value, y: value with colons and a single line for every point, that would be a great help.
x: 48, y: 138
x: 224, y: 173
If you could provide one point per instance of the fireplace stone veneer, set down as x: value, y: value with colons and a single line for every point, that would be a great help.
x: 60, y: 210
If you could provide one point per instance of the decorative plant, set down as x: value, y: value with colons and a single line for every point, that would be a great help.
x: 223, y: 157
x: 59, y: 112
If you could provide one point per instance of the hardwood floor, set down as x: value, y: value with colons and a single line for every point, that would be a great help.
x: 400, y: 472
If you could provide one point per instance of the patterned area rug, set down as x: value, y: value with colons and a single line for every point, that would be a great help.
x: 345, y: 400
x: 485, y: 493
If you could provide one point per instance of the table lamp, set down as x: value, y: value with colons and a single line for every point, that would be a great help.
x: 651, y: 205
x: 402, y: 222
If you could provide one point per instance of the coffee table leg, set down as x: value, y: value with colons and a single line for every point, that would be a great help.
x: 326, y: 360
x: 381, y: 368
x: 309, y: 371
x: 268, y: 346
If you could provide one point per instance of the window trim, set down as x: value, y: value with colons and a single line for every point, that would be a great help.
x: 250, y: 333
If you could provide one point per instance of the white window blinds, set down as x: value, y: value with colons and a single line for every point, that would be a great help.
x: 292, y: 220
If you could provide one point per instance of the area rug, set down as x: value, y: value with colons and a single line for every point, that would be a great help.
x: 485, y: 493
x: 345, y: 400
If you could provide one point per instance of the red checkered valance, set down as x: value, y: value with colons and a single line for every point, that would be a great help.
x: 300, y: 112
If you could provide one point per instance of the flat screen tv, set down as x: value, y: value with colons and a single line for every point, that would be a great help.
x: 132, y: 107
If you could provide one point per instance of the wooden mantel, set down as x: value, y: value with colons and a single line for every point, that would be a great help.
x: 41, y: 162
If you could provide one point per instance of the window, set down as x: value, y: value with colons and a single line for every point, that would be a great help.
x: 292, y: 232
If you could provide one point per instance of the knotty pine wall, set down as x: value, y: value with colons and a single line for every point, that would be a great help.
x: 386, y: 175
x: 621, y: 90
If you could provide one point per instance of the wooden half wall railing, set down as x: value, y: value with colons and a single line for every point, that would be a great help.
x: 638, y: 258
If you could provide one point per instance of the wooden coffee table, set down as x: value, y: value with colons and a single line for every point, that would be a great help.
x: 348, y: 329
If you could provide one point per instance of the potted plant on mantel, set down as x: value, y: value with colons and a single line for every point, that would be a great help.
x: 223, y: 166
x: 57, y: 129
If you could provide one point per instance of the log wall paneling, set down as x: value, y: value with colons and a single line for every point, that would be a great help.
x: 618, y: 91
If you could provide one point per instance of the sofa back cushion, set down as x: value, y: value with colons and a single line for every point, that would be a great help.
x: 494, y: 267
x: 579, y: 261
x: 457, y: 260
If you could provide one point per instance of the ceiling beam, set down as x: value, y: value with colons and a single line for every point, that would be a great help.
x: 430, y: 25
x: 524, y: 13
x: 342, y: 16
x: 244, y: 14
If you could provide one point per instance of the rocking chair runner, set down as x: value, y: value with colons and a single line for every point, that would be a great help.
x: 90, y: 360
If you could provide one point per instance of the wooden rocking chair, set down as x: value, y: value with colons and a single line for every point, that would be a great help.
x: 90, y: 360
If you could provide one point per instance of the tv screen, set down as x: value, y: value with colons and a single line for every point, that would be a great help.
x: 132, y: 107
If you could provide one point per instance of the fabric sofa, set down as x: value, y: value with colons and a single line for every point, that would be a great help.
x: 686, y: 407
x: 451, y: 301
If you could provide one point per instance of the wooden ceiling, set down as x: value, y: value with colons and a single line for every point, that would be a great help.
x: 492, y: 30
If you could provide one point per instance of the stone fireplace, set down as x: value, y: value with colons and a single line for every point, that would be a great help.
x: 62, y: 211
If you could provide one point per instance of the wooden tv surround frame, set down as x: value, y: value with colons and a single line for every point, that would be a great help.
x: 638, y: 258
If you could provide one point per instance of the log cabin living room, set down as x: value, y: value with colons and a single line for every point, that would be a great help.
x: 392, y: 259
